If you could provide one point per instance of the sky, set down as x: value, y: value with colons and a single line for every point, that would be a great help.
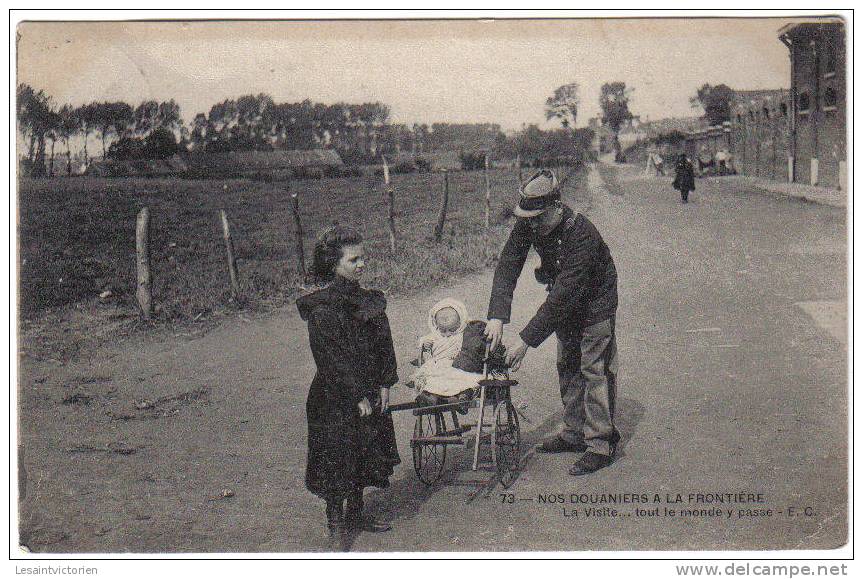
x: 498, y: 71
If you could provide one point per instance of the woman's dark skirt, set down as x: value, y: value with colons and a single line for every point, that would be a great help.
x: 349, y: 455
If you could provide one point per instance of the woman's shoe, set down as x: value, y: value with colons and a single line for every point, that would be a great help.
x: 368, y: 524
x: 336, y: 527
x: 356, y: 521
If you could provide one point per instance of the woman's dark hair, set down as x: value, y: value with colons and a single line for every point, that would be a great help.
x: 328, y: 251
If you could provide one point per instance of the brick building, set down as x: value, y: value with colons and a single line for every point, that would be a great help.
x: 817, y: 141
x: 758, y: 133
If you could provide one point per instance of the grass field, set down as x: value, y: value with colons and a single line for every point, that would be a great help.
x: 77, y: 237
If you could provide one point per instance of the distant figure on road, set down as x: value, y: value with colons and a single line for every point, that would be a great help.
x: 705, y: 161
x: 351, y: 437
x: 656, y: 163
x: 684, y: 177
x: 723, y: 162
x: 581, y: 306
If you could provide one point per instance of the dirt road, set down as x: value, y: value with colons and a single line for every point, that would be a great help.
x: 733, y: 380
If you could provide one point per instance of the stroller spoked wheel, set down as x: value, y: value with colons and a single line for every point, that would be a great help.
x: 505, y: 440
x: 429, y: 457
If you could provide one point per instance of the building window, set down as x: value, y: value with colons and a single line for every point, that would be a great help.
x: 739, y: 120
x: 803, y: 103
x: 766, y: 113
x: 830, y: 99
x: 783, y: 108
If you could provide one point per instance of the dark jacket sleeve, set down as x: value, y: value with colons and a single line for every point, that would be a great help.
x: 568, y: 290
x: 335, y: 359
x: 385, y: 353
x: 508, y: 270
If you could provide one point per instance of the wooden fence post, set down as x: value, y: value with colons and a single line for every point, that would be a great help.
x: 391, y: 205
x: 229, y: 248
x: 142, y: 247
x: 487, y: 195
x: 298, y: 233
x: 441, y: 218
x: 391, y: 217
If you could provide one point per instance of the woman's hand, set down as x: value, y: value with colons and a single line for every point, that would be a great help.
x: 385, y: 399
x: 365, y: 407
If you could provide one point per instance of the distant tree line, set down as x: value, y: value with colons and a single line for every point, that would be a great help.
x: 152, y: 128
x: 537, y: 147
x: 360, y: 133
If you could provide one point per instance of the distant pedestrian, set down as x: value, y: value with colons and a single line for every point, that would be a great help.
x: 655, y: 161
x: 684, y: 177
x: 351, y: 437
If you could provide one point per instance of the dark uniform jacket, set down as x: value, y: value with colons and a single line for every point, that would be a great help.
x: 576, y: 265
x: 352, y: 345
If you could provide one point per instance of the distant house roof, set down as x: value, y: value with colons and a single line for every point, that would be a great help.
x: 279, y: 159
x: 745, y: 100
x: 257, y: 162
x: 670, y: 125
x: 747, y: 96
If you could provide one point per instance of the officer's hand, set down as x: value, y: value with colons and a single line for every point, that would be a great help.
x: 494, y: 332
x: 515, y: 355
x: 365, y: 407
x: 385, y: 400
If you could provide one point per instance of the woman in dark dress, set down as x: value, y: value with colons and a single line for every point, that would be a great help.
x: 351, y: 437
x: 684, y: 177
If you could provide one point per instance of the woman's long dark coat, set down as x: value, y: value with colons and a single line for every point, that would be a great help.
x: 684, y: 176
x: 350, y: 338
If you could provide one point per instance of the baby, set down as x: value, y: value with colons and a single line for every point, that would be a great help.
x: 436, y: 378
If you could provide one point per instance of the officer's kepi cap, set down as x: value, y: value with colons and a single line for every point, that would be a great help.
x: 539, y: 192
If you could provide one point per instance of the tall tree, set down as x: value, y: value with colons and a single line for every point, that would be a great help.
x: 103, y: 124
x: 222, y: 117
x: 200, y: 131
x: 169, y: 118
x: 34, y: 114
x: 88, y: 118
x: 563, y: 105
x: 113, y: 118
x: 70, y: 124
x: 252, y: 111
x: 52, y: 133
x: 25, y: 96
x: 146, y: 118
x: 614, y: 102
x: 716, y: 102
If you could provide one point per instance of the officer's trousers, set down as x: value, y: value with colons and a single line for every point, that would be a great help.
x: 587, y: 368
